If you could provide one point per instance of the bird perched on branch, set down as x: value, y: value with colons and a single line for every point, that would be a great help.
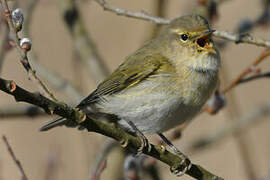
x: 161, y: 85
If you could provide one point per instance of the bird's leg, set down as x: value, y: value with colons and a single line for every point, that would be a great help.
x: 184, y: 158
x: 144, y: 141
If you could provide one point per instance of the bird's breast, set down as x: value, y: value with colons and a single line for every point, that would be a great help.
x: 158, y: 105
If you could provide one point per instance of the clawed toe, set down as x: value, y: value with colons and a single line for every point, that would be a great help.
x: 145, y: 145
x: 182, y: 168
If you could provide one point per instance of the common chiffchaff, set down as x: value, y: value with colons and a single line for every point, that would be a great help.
x: 161, y: 85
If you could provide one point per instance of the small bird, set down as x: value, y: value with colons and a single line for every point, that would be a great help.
x: 161, y: 85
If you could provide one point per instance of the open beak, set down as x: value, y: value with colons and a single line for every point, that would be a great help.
x: 204, y: 40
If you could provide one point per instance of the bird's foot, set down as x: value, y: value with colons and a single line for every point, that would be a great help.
x: 185, y: 164
x: 145, y: 145
x: 183, y: 167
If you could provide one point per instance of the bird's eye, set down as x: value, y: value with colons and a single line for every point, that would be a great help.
x: 184, y: 37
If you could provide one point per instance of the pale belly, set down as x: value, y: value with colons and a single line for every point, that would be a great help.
x: 160, y: 117
x: 153, y: 112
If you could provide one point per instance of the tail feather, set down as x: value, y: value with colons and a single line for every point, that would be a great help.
x: 54, y: 123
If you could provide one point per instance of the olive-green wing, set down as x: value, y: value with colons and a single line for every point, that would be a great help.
x: 131, y: 72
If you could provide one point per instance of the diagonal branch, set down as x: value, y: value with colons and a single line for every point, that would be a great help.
x: 254, y: 117
x: 17, y: 162
x: 237, y: 38
x: 23, y: 53
x: 128, y: 141
x: 257, y: 61
x: 138, y: 15
x: 83, y: 43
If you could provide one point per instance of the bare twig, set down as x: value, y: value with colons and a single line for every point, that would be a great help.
x: 238, y: 38
x: 3, y: 43
x: 56, y: 80
x: 102, y: 157
x: 52, y: 166
x: 17, y: 162
x: 218, y: 101
x: 138, y: 15
x: 128, y: 141
x: 31, y: 5
x: 84, y: 45
x: 254, y: 77
x: 99, y: 170
x: 219, y: 34
x: 160, y: 11
x: 20, y: 111
x: 23, y: 53
x: 252, y: 118
x: 132, y: 166
x: 52, y: 77
x: 249, y: 69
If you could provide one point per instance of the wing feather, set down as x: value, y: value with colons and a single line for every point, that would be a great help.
x: 134, y: 70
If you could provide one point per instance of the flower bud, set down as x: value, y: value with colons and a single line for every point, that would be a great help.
x: 17, y: 19
x: 26, y: 44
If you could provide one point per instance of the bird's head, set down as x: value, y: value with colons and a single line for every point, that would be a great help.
x: 188, y: 40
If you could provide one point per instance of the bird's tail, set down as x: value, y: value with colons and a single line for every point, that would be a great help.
x: 54, y: 123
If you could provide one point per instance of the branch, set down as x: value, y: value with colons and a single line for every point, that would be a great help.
x: 101, y: 159
x: 254, y: 77
x: 28, y: 15
x: 237, y: 38
x: 249, y: 69
x: 128, y: 141
x: 20, y: 111
x: 23, y: 52
x: 218, y: 101
x: 52, y: 77
x: 252, y: 118
x: 17, y: 162
x: 3, y: 43
x: 242, y: 38
x: 84, y: 45
x: 138, y: 15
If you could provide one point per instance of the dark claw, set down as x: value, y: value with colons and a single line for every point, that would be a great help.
x: 144, y: 140
x: 144, y: 145
x: 181, y: 168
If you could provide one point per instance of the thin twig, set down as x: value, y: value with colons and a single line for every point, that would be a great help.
x: 258, y: 60
x: 17, y: 162
x: 217, y: 102
x: 3, y: 44
x: 219, y: 34
x: 52, y: 77
x: 23, y: 53
x: 238, y: 38
x: 254, y: 117
x: 99, y: 170
x: 134, y: 14
x: 56, y: 80
x: 102, y: 157
x: 52, y: 166
x: 29, y: 10
x: 20, y: 111
x: 254, y: 77
x: 127, y: 140
x: 82, y: 41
